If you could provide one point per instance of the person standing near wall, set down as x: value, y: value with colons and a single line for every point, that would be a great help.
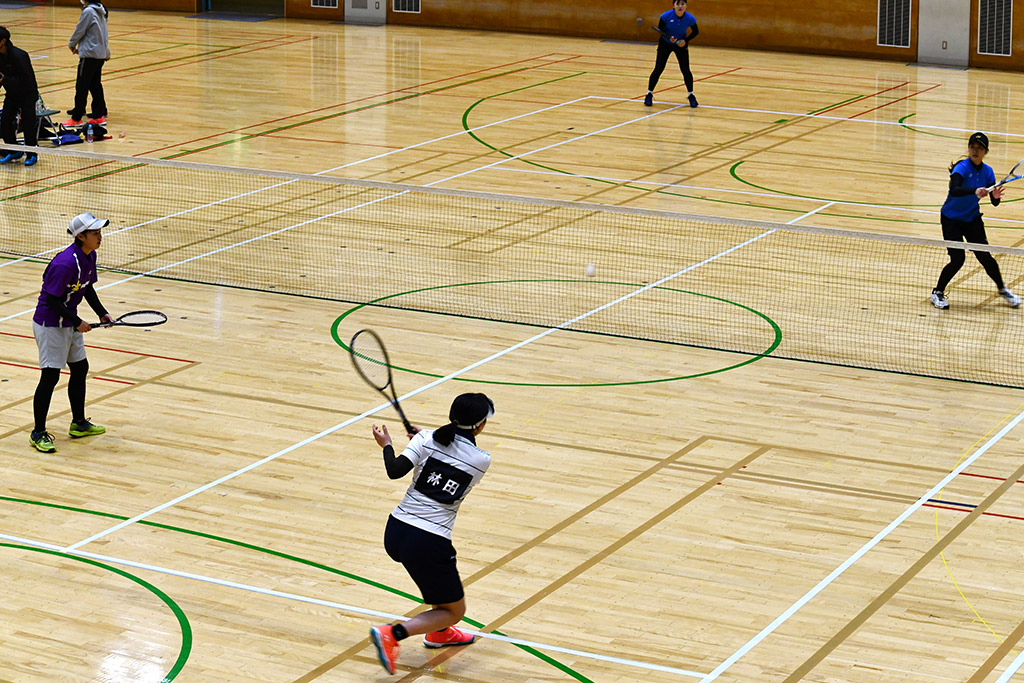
x: 92, y: 45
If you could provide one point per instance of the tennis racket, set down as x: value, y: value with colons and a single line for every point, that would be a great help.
x: 668, y: 35
x: 136, y: 319
x: 370, y: 359
x: 1011, y: 176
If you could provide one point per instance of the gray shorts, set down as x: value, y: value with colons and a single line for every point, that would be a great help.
x: 58, y: 345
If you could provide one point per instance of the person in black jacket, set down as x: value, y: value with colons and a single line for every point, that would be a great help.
x: 21, y: 93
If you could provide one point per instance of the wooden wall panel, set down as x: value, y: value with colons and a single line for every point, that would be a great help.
x: 190, y: 6
x: 818, y: 26
x: 1015, y: 62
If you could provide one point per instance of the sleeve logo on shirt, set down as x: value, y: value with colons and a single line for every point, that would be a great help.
x: 443, y: 483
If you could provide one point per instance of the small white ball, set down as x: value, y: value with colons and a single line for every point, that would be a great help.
x: 590, y: 270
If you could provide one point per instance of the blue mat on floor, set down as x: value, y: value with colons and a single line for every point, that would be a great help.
x: 234, y: 16
x: 15, y: 5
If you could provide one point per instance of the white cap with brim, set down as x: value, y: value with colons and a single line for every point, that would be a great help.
x: 84, y: 222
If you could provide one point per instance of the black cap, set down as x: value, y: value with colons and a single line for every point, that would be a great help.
x: 469, y: 410
x: 980, y: 138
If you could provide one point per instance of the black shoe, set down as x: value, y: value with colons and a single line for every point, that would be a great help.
x: 693, y: 101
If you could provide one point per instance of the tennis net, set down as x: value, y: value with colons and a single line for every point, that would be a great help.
x: 821, y: 295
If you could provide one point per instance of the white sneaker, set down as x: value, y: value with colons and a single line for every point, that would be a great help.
x: 1010, y: 297
x: 939, y: 299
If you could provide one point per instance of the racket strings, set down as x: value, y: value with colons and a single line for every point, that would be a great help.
x: 142, y: 318
x: 371, y: 360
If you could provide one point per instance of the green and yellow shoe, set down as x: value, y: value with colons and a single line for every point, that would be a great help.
x: 43, y: 441
x: 85, y: 428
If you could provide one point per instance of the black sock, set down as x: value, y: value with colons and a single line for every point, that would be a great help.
x: 399, y: 632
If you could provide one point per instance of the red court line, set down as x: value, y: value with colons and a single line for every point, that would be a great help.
x: 990, y: 514
x: 64, y: 372
x: 988, y: 476
x: 862, y: 98
x: 106, y: 348
x: 126, y: 72
x: 914, y: 94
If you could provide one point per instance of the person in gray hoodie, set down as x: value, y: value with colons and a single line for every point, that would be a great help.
x: 91, y: 44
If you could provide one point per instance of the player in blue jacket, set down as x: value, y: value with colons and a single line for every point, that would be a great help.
x: 681, y: 25
x: 961, y: 218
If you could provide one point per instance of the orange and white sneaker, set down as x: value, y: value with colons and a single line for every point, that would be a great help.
x: 449, y: 636
x: 387, y: 647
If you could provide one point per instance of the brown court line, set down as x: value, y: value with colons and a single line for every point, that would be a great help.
x: 884, y: 597
x: 997, y: 655
x: 625, y: 539
x: 116, y: 392
x: 540, y: 538
x: 60, y: 385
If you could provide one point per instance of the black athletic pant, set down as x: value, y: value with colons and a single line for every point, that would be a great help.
x: 90, y: 71
x: 13, y: 104
x: 682, y: 54
x: 973, y: 232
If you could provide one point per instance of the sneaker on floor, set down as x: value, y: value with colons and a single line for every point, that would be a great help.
x: 99, y: 120
x: 648, y: 99
x: 11, y: 156
x: 31, y: 159
x: 84, y: 428
x: 71, y: 123
x: 447, y: 637
x: 938, y: 299
x: 43, y: 441
x: 693, y: 100
x: 1010, y: 297
x: 387, y: 646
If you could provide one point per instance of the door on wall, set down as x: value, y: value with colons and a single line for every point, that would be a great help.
x: 366, y: 11
x: 275, y: 7
x: 944, y: 32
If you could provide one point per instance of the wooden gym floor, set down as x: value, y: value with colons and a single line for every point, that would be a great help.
x: 776, y: 521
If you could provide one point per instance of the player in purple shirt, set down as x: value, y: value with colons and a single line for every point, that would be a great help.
x: 58, y: 330
x: 675, y: 22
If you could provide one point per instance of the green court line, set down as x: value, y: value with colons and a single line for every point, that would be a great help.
x: 183, y: 624
x: 466, y: 127
x: 754, y: 357
x: 734, y: 174
x: 249, y: 546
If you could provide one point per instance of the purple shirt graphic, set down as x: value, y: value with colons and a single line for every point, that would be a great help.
x: 67, y: 277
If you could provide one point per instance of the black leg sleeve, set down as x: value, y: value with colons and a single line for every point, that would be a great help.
x: 76, y: 388
x: 48, y: 379
x: 683, y: 56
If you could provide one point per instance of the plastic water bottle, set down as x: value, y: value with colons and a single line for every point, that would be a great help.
x: 89, y: 134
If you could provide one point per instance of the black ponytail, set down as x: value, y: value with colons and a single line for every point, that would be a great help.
x: 445, y: 435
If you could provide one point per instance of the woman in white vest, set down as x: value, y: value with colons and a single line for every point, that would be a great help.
x: 91, y: 44
x: 446, y: 464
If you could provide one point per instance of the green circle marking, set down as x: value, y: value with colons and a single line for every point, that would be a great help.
x: 186, y: 628
x: 777, y: 334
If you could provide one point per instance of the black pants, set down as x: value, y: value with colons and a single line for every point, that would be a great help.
x: 26, y: 106
x: 90, y: 71
x: 973, y: 232
x: 682, y: 54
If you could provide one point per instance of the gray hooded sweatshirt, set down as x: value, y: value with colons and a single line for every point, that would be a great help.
x: 90, y: 36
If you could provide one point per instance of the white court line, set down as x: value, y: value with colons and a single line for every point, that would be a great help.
x: 1012, y: 669
x: 749, y: 193
x: 288, y: 182
x: 819, y: 116
x: 850, y: 561
x: 423, y: 388
x: 343, y: 607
